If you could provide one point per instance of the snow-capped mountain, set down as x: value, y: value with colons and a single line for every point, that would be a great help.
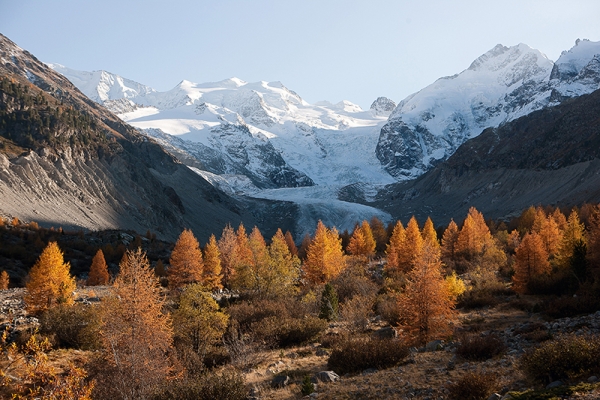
x: 383, y: 106
x: 503, y: 84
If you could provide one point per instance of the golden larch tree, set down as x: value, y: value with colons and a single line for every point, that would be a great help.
x: 229, y: 254
x: 284, y: 268
x: 135, y: 333
x: 426, y: 307
x: 49, y: 282
x: 413, y: 245
x: 379, y: 234
x: 98, y: 271
x: 4, y: 280
x: 573, y: 233
x: 362, y: 242
x: 186, y: 264
x: 394, y: 249
x: 289, y: 240
x: 250, y: 273
x: 547, y: 228
x: 212, y: 265
x: 430, y: 235
x: 449, y: 239
x: 324, y: 258
x: 531, y: 261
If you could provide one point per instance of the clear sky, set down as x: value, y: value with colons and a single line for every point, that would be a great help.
x: 322, y: 49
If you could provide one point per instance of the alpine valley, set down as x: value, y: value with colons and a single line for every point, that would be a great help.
x: 261, y: 154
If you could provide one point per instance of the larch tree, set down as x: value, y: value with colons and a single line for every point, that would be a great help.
x: 229, y: 254
x: 49, y: 282
x: 284, y: 267
x: 245, y: 258
x: 560, y: 219
x: 531, y: 261
x: 593, y: 253
x: 186, y: 264
x: 394, y: 250
x: 449, y: 239
x: 98, y: 271
x: 379, y: 234
x: 325, y: 258
x: 212, y: 276
x: 4, y: 280
x: 426, y: 307
x: 573, y: 233
x: 250, y: 274
x: 289, y: 240
x: 198, y: 322
x: 135, y: 333
x: 430, y: 235
x: 362, y: 242
x: 547, y: 228
x: 413, y: 245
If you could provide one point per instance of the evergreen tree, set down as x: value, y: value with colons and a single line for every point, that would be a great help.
x: 329, y: 303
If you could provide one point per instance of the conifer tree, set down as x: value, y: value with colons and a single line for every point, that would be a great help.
x: 412, y: 246
x: 289, y: 240
x: 98, y: 271
x: 426, y: 307
x: 4, y: 280
x: 229, y: 254
x: 362, y: 242
x: 449, y: 239
x: 379, y: 234
x: 186, y: 264
x: 531, y: 261
x: 394, y: 249
x: 329, y: 303
x: 159, y: 269
x: 547, y: 228
x: 303, y: 250
x: 573, y: 233
x: 198, y: 322
x: 50, y: 282
x: 251, y: 272
x: 136, y: 335
x: 212, y: 265
x: 430, y: 235
x: 284, y: 268
x: 324, y: 259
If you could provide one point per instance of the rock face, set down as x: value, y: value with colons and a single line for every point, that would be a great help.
x: 69, y: 162
x: 550, y: 157
x: 383, y: 106
x: 503, y: 84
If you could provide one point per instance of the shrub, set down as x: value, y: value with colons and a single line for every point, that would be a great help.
x: 480, y: 348
x: 228, y: 384
x: 473, y: 386
x: 567, y: 357
x: 477, y: 299
x: 285, y: 332
x: 74, y: 326
x: 356, y: 355
x: 357, y: 311
x: 329, y: 303
x: 387, y: 308
x: 307, y: 386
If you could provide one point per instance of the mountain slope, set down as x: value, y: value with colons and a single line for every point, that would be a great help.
x: 551, y: 156
x: 65, y: 161
x: 500, y: 86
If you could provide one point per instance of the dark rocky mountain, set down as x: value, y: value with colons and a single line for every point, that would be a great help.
x: 66, y: 161
x: 551, y: 156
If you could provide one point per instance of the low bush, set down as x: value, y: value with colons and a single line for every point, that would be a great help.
x: 476, y: 299
x: 567, y: 357
x: 357, y: 311
x: 473, y: 385
x: 285, y: 332
x: 358, y: 354
x: 228, y: 384
x: 387, y: 308
x: 74, y: 326
x: 480, y: 348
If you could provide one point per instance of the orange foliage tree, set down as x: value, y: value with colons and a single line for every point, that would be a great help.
x: 325, y: 259
x: 212, y: 265
x: 426, y: 307
x: 573, y: 233
x: 228, y: 249
x: 531, y: 261
x: 98, y: 271
x: 394, y: 250
x: 49, y: 282
x: 547, y: 228
x: 4, y: 280
x: 449, y: 239
x: 289, y: 240
x: 135, y: 333
x: 186, y: 264
x: 362, y: 242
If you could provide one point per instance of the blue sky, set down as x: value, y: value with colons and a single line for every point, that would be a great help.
x: 322, y: 49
